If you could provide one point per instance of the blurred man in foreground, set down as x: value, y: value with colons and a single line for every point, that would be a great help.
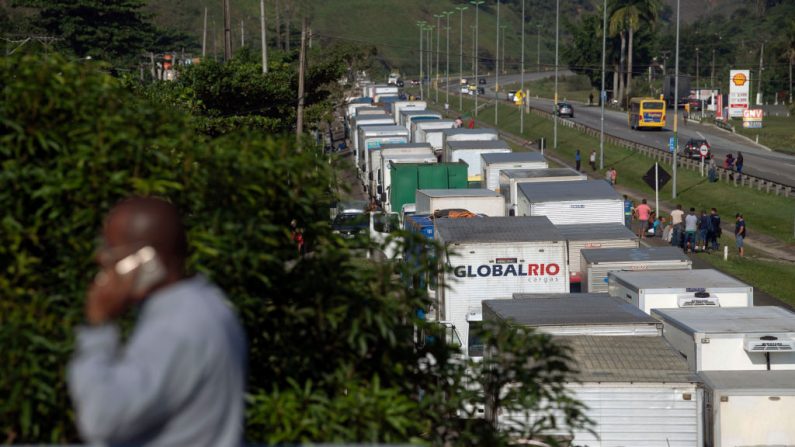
x: 180, y: 378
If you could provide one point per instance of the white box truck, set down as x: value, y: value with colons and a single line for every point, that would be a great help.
x: 596, y: 263
x: 511, y: 178
x: 385, y: 90
x: 399, y: 106
x: 637, y: 390
x: 430, y: 132
x: 464, y: 134
x: 355, y: 124
x: 407, y: 117
x: 386, y: 150
x: 372, y: 138
x: 368, y: 110
x: 385, y: 174
x: 671, y: 289
x: 471, y: 152
x: 586, y: 202
x: 478, y: 201
x: 749, y: 408
x: 350, y: 109
x: 495, y: 257
x: 604, y: 235
x: 732, y: 338
x: 493, y: 163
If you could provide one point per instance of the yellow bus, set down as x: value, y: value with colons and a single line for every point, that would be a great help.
x: 646, y: 113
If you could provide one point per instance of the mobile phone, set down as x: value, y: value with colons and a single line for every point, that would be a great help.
x: 146, y: 264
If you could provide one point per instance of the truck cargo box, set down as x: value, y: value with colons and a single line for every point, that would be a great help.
x: 471, y: 152
x: 407, y: 178
x: 604, y: 235
x: 478, y: 201
x: 596, y: 263
x: 589, y: 201
x: 510, y: 179
x: 493, y: 163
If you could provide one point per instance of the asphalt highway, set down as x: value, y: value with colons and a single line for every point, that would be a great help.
x: 758, y: 160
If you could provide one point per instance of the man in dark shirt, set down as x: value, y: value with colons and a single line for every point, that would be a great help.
x: 739, y: 233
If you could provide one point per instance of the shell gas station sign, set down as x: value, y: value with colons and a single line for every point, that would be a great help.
x: 739, y: 92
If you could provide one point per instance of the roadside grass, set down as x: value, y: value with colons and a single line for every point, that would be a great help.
x: 573, y: 88
x: 770, y: 277
x: 778, y: 133
x: 765, y: 213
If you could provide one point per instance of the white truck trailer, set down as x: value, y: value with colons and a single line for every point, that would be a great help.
x: 749, y: 408
x: 408, y: 117
x: 599, y: 236
x: 463, y: 134
x: 510, y: 179
x: 492, y: 164
x: 386, y: 150
x: 478, y: 201
x: 368, y: 110
x: 637, y: 390
x: 494, y: 257
x: 372, y: 138
x: 353, y: 132
x: 385, y: 174
x: 399, y: 106
x: 671, y: 289
x: 471, y: 152
x: 733, y: 338
x: 596, y: 263
x: 430, y: 132
x: 586, y: 202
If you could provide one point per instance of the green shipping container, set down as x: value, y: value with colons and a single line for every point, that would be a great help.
x: 407, y: 178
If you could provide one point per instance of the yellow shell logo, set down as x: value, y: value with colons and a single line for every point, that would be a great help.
x: 739, y: 79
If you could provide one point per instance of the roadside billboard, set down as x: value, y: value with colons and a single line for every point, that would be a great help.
x: 739, y: 92
x: 752, y: 118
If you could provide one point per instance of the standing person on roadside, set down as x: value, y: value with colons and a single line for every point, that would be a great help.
x: 458, y: 122
x: 643, y: 212
x: 609, y: 175
x: 629, y: 211
x: 739, y: 233
x: 471, y: 124
x: 715, y: 231
x: 577, y: 160
x: 691, y: 226
x: 677, y: 220
x: 738, y: 163
x: 179, y: 378
x: 703, y: 226
x: 613, y: 176
x: 592, y: 160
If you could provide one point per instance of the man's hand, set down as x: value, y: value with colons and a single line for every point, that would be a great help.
x: 109, y: 296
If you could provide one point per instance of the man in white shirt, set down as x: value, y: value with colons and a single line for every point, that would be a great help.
x: 677, y: 217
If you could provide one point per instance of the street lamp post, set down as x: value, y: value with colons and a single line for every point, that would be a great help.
x: 521, y: 111
x: 421, y: 25
x: 557, y: 39
x: 603, y: 93
x: 447, y: 62
x: 538, y: 48
x: 438, y: 30
x: 497, y: 71
x: 502, y: 64
x: 461, y: 9
x: 429, y: 29
x: 477, y: 4
x: 676, y: 106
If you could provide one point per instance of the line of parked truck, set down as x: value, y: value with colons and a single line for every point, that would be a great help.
x: 667, y: 355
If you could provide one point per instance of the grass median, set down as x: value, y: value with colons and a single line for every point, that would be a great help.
x: 764, y: 212
x: 777, y: 133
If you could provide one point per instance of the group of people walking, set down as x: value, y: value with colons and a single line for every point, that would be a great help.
x: 691, y: 231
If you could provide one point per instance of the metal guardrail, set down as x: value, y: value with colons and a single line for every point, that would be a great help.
x: 661, y: 155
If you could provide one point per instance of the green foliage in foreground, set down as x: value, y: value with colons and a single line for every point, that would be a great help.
x: 337, y: 352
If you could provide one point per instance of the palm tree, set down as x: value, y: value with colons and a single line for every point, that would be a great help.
x: 626, y: 17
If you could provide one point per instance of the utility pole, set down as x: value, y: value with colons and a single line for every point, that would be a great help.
x: 204, y: 35
x: 242, y: 34
x: 676, y: 106
x: 477, y: 4
x: 447, y: 69
x: 421, y: 25
x: 264, y: 36
x: 555, y: 106
x: 497, y: 71
x: 538, y: 48
x: 430, y: 58
x: 438, y: 39
x: 299, y: 128
x: 603, y: 93
x: 524, y: 97
x: 712, y: 74
x: 461, y: 9
x: 759, y: 100
x: 502, y: 64
x: 227, y: 32
x: 698, y: 86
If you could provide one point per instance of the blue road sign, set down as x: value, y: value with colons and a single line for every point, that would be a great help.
x: 671, y: 144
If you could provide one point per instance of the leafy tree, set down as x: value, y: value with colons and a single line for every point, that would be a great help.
x: 337, y: 351
x: 626, y: 16
x: 109, y: 30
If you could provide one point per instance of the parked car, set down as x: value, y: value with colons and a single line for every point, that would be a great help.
x: 351, y: 225
x: 415, y: 82
x: 482, y: 81
x: 511, y: 94
x: 481, y: 91
x: 400, y: 83
x: 465, y: 89
x: 693, y: 149
x: 565, y: 109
